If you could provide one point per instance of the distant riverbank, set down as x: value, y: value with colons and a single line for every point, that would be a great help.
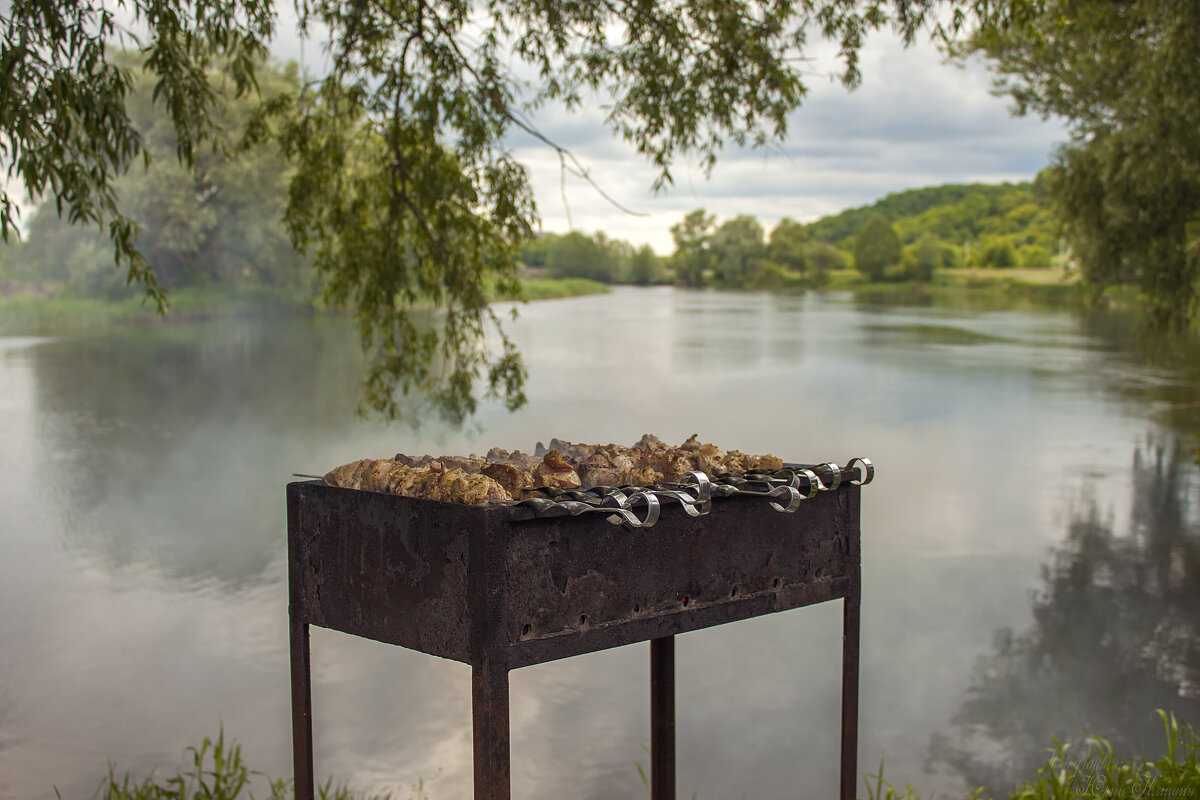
x: 1046, y: 284
x: 33, y: 313
x: 1007, y: 288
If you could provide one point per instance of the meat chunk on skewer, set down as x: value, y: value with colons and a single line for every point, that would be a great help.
x: 511, y: 478
x: 432, y: 481
x: 555, y: 472
x: 502, y: 475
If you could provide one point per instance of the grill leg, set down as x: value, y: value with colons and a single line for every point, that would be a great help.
x: 489, y: 712
x: 302, y: 741
x: 850, y: 624
x: 662, y: 718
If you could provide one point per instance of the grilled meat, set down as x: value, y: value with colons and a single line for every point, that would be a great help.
x: 502, y: 475
x: 555, y: 472
x: 511, y: 478
x: 599, y: 470
x: 432, y: 481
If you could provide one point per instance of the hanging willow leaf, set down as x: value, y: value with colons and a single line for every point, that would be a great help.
x: 405, y: 194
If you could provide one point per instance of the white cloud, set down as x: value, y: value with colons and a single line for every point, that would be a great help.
x: 913, y: 122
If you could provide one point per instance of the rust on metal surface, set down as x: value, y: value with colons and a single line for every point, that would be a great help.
x: 496, y: 588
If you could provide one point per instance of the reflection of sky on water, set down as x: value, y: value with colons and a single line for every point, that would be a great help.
x: 1114, y: 634
x: 141, y: 547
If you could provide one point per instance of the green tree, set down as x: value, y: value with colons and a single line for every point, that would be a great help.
x: 1127, y: 187
x: 56, y: 257
x: 998, y: 253
x: 66, y: 129
x: 578, y: 256
x: 926, y: 258
x: 618, y: 257
x: 535, y: 251
x: 220, y: 221
x: 645, y: 267
x: 876, y: 248
x: 1036, y: 257
x: 404, y: 187
x: 738, y: 250
x: 827, y: 258
x: 692, y: 257
x: 789, y: 247
x: 7, y: 271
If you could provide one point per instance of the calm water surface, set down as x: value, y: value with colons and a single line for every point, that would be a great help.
x: 1030, y: 547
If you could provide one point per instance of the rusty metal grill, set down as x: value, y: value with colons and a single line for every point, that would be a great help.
x: 508, y: 586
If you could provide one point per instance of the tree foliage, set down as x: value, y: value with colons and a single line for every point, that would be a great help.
x: 692, y: 258
x: 876, y: 248
x: 738, y: 250
x: 999, y: 253
x: 827, y: 258
x: 575, y: 255
x: 65, y: 128
x: 645, y: 267
x: 597, y: 257
x: 789, y: 246
x: 954, y: 214
x: 219, y: 222
x: 403, y: 185
x: 922, y: 259
x: 734, y: 254
x: 1127, y: 187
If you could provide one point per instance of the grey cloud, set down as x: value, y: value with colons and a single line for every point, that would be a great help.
x: 914, y: 122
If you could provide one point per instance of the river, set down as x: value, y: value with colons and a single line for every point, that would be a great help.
x: 1029, y: 546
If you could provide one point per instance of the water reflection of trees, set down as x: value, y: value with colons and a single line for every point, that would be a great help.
x: 1116, y: 634
x: 171, y: 450
x: 1165, y: 368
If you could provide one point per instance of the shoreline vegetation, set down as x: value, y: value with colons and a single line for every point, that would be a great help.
x: 37, y: 312
x: 975, y: 245
x: 1090, y: 770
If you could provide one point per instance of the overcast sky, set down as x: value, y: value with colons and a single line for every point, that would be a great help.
x: 913, y: 122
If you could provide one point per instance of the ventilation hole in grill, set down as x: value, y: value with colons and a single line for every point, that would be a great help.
x: 583, y: 620
x: 733, y: 592
x: 818, y: 573
x: 526, y: 630
x: 775, y: 583
x: 637, y: 607
x: 684, y: 601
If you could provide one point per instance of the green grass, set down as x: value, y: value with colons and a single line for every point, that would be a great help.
x: 35, y: 313
x: 215, y: 771
x: 994, y: 287
x: 1049, y: 281
x: 972, y: 276
x: 558, y: 289
x: 1039, y: 285
x: 31, y: 313
x: 1094, y: 772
